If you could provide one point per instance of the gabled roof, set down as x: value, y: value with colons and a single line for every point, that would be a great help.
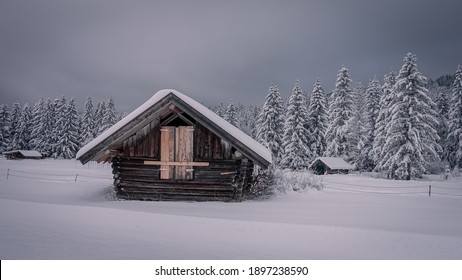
x: 26, y: 153
x: 333, y: 163
x: 115, y: 135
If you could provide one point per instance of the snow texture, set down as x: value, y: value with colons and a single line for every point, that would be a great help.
x: 211, y: 116
x: 56, y: 218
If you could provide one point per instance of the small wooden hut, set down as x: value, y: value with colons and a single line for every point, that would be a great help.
x: 174, y: 148
x: 330, y: 165
x: 23, y: 154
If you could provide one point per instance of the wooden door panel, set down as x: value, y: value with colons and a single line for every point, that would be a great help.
x: 167, y: 151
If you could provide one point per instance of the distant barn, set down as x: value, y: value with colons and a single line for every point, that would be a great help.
x: 174, y: 148
x: 330, y: 165
x: 22, y: 154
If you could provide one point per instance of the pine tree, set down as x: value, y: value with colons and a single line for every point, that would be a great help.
x: 5, y: 135
x: 49, y: 122
x: 383, y: 119
x: 411, y: 135
x: 109, y: 116
x: 220, y: 110
x: 318, y: 120
x: 58, y: 108
x: 297, y: 153
x: 371, y: 111
x: 99, y: 115
x: 270, y: 123
x: 442, y: 109
x: 230, y: 114
x: 338, y: 133
x: 87, y: 124
x: 68, y: 137
x: 356, y: 126
x: 454, y: 139
x: 25, y: 129
x: 16, y: 114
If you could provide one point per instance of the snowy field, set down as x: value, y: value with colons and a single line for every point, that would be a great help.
x: 47, y: 211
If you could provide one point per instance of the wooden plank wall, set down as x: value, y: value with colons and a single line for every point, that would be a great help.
x: 222, y: 180
x: 145, y: 142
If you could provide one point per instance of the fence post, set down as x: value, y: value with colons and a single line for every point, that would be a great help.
x: 429, y: 190
x: 76, y: 175
x: 7, y: 173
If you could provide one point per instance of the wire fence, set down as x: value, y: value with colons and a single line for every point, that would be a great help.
x: 53, y: 177
x: 422, y: 189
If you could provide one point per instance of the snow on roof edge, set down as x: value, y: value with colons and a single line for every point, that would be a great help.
x: 219, y: 121
x: 334, y: 162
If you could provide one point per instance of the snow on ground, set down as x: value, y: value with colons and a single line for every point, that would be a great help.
x: 46, y: 214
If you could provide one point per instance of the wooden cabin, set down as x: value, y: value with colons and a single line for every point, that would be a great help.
x: 23, y: 154
x: 174, y: 148
x: 330, y: 165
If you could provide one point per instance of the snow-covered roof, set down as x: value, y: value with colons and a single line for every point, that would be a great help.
x: 219, y: 122
x: 333, y: 162
x: 26, y: 153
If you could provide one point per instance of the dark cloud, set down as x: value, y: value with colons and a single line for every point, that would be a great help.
x: 213, y: 50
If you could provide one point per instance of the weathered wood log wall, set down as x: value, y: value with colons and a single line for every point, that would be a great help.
x: 222, y: 180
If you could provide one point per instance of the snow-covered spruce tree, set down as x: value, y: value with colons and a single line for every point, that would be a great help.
x: 412, y: 140
x: 25, y: 129
x: 5, y: 134
x: 43, y: 122
x: 371, y: 111
x: 15, y: 121
x: 318, y: 120
x: 220, y: 110
x: 356, y: 125
x: 246, y: 118
x: 68, y: 138
x: 442, y: 109
x: 87, y: 124
x: 99, y: 115
x: 270, y: 123
x: 231, y: 114
x: 338, y: 133
x: 383, y: 119
x: 297, y: 153
x: 109, y: 116
x: 454, y: 140
x: 59, y: 108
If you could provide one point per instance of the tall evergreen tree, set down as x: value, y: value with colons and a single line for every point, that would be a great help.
x: 5, y: 134
x: 318, y: 120
x: 16, y: 114
x: 297, y: 153
x: 87, y: 125
x: 411, y: 135
x: 99, y: 115
x: 109, y: 116
x: 231, y: 114
x: 270, y: 123
x: 25, y: 129
x: 58, y: 108
x: 383, y: 119
x: 338, y: 133
x: 68, y: 136
x: 371, y: 111
x: 442, y: 109
x: 454, y: 140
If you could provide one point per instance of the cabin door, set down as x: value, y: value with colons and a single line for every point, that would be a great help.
x: 176, y: 145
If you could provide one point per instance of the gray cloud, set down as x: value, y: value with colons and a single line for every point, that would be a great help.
x: 213, y: 50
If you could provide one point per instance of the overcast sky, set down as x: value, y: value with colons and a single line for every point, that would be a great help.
x: 214, y: 51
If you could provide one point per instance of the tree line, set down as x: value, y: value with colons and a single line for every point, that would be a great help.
x: 401, y: 128
x: 54, y: 128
